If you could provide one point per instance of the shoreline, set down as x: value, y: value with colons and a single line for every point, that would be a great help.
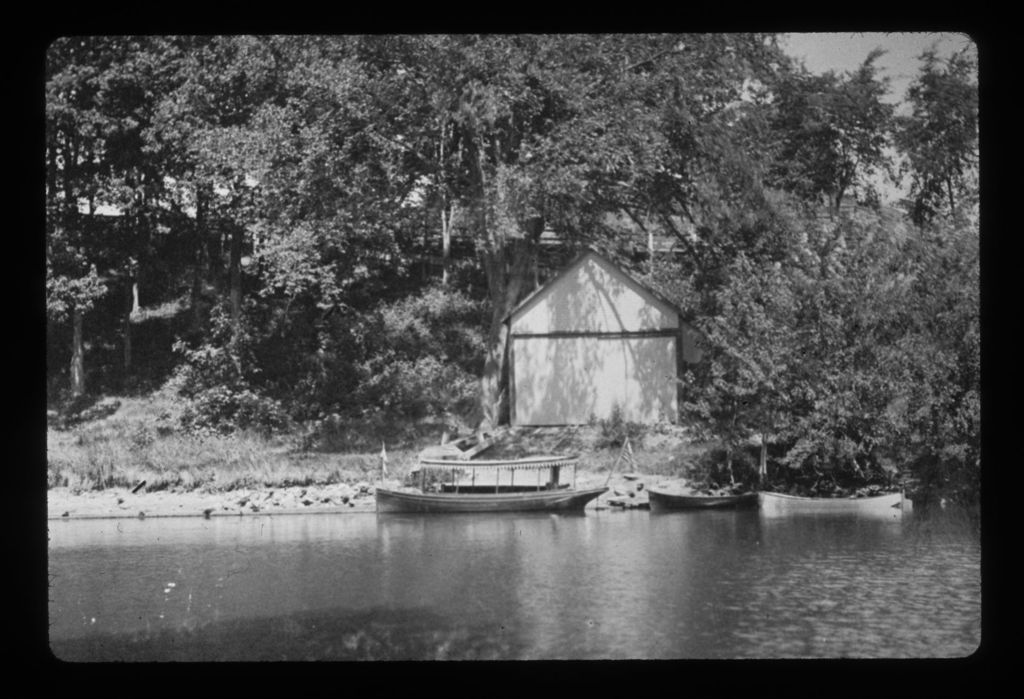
x: 625, y: 491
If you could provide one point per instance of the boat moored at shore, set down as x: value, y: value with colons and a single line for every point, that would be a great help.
x: 490, y: 486
x: 889, y: 505
x: 665, y: 501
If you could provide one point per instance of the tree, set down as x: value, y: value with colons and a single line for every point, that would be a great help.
x: 833, y: 131
x: 940, y: 136
x: 749, y: 383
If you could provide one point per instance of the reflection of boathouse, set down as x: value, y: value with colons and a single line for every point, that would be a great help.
x: 593, y: 338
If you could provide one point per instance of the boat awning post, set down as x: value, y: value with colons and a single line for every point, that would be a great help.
x: 512, y: 482
x: 455, y: 481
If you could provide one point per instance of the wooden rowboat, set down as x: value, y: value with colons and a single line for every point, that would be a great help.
x: 890, y: 505
x: 490, y: 486
x: 662, y: 501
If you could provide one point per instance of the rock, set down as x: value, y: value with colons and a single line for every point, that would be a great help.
x: 254, y: 508
x: 307, y: 502
x: 66, y: 514
x: 120, y: 500
x: 142, y: 515
x: 207, y: 512
x: 363, y: 487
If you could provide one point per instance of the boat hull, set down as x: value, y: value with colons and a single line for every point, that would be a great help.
x: 444, y: 503
x: 889, y: 506
x: 669, y: 502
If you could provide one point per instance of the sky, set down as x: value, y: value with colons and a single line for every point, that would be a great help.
x: 844, y: 51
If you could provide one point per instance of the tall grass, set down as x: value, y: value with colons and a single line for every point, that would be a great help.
x: 141, y: 442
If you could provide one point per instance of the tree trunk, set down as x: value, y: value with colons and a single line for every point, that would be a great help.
x: 508, y: 277
x: 199, y: 263
x: 235, y: 276
x: 77, y: 356
x: 446, y: 242
x: 446, y: 207
x: 130, y: 307
x: 762, y: 464
x: 650, y: 250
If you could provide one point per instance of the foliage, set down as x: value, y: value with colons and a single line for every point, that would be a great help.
x: 423, y: 355
x: 614, y: 430
x: 224, y: 409
x: 220, y: 379
x: 940, y: 136
x: 823, y: 356
x: 832, y: 133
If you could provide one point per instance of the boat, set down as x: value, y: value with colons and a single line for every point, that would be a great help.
x: 664, y: 501
x: 489, y: 486
x: 890, y: 505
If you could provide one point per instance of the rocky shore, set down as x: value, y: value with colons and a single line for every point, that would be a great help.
x: 625, y: 491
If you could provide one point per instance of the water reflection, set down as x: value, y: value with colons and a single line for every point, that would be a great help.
x: 612, y: 585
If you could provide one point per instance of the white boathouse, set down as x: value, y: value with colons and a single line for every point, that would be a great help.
x: 592, y: 339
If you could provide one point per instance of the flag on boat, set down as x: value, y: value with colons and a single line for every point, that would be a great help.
x: 383, y: 460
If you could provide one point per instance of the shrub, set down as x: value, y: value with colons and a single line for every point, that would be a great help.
x: 418, y: 388
x: 225, y: 409
x: 614, y: 430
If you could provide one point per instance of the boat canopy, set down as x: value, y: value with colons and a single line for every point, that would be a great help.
x: 537, y: 462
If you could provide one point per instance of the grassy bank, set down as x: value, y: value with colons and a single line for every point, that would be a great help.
x: 136, y: 440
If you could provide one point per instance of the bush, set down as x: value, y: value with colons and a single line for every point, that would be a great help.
x: 711, y: 470
x: 614, y: 430
x: 224, y: 409
x: 418, y: 388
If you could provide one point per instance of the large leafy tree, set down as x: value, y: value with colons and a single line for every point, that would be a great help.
x: 832, y: 133
x: 940, y: 136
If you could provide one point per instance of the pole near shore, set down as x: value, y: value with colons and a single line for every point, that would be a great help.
x: 383, y: 462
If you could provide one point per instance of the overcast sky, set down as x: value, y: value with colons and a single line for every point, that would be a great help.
x: 843, y: 51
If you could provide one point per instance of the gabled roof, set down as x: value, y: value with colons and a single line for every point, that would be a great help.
x: 576, y: 262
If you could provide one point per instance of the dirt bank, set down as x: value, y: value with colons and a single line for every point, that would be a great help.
x: 624, y: 491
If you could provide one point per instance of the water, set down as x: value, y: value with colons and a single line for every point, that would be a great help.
x: 605, y: 585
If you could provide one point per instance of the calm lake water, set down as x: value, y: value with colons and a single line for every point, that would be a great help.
x: 604, y: 585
